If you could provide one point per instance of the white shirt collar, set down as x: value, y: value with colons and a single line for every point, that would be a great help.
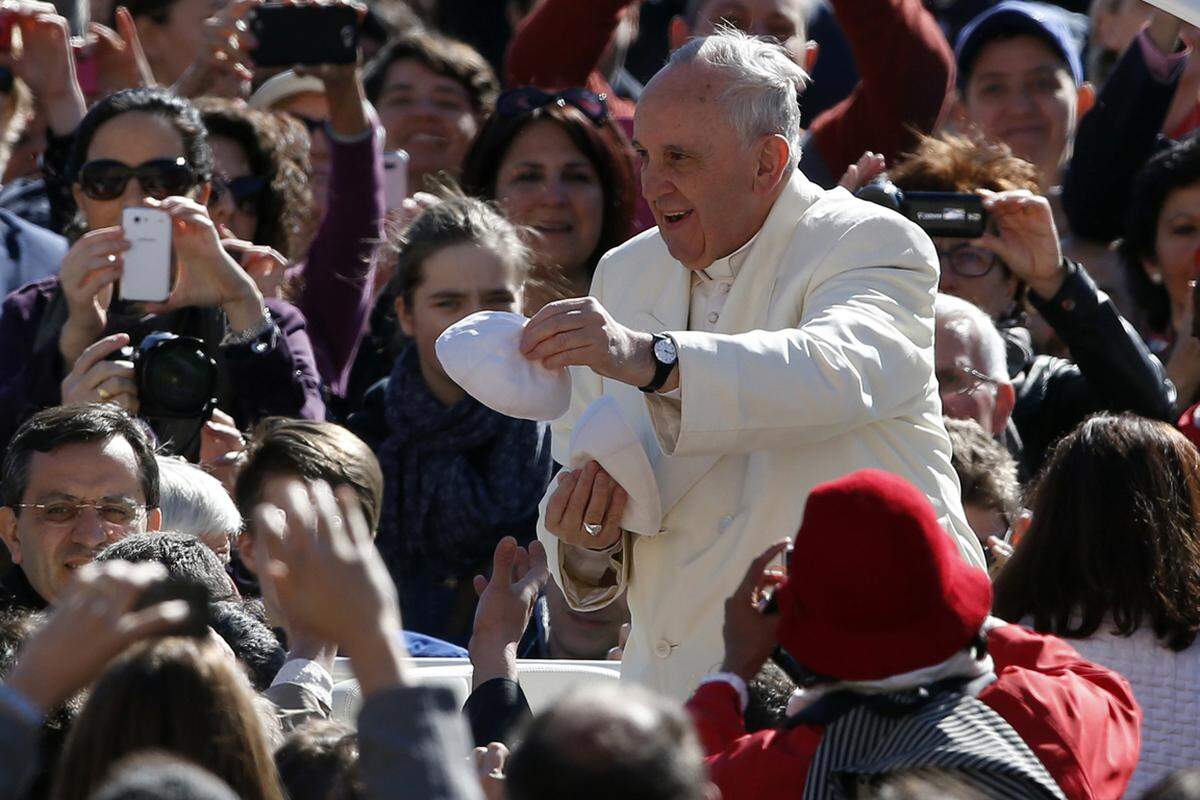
x: 726, y: 269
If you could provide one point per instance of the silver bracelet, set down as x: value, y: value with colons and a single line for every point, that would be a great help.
x: 249, y: 334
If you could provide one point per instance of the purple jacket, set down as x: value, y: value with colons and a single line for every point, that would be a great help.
x: 336, y: 279
x: 275, y: 374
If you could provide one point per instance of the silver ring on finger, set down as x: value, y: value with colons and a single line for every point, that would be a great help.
x: 593, y: 529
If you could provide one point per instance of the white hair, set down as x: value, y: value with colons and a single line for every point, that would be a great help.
x: 762, y: 96
x: 194, y: 502
x: 972, y: 323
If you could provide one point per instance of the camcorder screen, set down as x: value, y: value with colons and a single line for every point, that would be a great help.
x: 947, y: 213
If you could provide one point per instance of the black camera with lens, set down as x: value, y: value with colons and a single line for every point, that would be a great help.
x: 176, y: 377
x: 949, y: 214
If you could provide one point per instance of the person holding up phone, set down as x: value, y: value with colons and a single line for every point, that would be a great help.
x: 147, y: 148
x: 335, y: 277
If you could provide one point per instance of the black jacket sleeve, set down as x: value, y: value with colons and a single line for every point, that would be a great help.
x: 496, y: 710
x: 1111, y: 369
x: 1114, y: 140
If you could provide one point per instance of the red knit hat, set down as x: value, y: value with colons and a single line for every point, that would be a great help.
x: 876, y: 586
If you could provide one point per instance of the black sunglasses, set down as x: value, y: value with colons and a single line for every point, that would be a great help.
x: 106, y: 179
x: 245, y: 191
x: 527, y: 99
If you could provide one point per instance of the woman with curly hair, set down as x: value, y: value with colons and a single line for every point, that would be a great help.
x: 261, y: 174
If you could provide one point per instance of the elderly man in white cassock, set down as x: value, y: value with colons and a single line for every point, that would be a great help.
x: 766, y: 337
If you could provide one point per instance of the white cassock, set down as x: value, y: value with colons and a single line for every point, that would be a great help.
x: 806, y: 355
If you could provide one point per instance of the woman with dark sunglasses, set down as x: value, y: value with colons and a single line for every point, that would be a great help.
x: 260, y: 190
x: 146, y: 147
x: 559, y: 165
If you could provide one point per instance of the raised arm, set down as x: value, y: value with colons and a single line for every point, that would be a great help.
x: 412, y: 738
x: 907, y: 71
x: 561, y: 42
x: 336, y: 278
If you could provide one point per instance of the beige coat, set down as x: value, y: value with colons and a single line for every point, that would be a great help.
x: 823, y: 364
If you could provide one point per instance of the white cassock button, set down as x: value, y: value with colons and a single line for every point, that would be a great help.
x: 662, y: 648
x: 724, y: 288
x: 713, y: 317
x: 726, y: 521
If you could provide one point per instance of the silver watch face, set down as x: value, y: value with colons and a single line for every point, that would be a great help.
x: 664, y: 351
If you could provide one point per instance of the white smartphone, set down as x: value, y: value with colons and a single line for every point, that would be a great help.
x: 395, y: 178
x: 147, y: 273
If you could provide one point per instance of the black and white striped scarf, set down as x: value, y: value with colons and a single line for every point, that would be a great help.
x: 950, y: 731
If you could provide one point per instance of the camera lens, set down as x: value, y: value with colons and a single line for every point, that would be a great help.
x: 178, y: 378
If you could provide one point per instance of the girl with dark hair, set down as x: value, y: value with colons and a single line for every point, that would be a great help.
x: 458, y: 476
x: 1112, y: 563
x: 147, y: 147
x: 559, y: 165
x: 182, y: 696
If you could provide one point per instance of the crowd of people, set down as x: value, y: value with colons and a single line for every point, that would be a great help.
x: 875, y: 472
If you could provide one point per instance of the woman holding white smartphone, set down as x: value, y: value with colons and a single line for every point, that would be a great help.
x: 146, y: 148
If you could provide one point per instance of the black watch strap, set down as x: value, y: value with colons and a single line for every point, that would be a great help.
x: 662, y: 370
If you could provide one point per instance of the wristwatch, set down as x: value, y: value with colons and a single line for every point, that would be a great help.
x: 666, y: 356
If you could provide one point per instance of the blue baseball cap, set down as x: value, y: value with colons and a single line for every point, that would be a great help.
x: 1054, y: 26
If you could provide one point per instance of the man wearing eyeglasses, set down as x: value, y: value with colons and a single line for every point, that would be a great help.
x: 75, y: 479
x: 970, y: 367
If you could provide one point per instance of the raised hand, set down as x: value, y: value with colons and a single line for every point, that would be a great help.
x: 222, y: 449
x: 93, y: 622
x: 1025, y: 238
x: 45, y: 63
x: 329, y: 581
x: 120, y: 61
x: 868, y: 167
x: 750, y: 634
x: 224, y: 67
x: 207, y: 276
x: 506, y: 604
x: 87, y: 274
x: 265, y: 265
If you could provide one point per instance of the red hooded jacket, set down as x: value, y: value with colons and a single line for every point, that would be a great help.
x: 1079, y: 718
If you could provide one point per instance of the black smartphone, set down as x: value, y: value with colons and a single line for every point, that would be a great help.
x: 193, y: 593
x: 304, y: 34
x: 947, y: 213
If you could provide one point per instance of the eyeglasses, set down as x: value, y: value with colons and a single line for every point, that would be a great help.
x: 967, y: 261
x: 245, y: 191
x: 112, y: 512
x: 963, y: 380
x: 527, y: 99
x: 106, y: 179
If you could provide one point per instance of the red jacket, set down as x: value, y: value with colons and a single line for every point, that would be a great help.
x: 1079, y: 718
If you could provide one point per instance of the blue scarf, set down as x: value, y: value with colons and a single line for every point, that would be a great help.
x: 456, y: 479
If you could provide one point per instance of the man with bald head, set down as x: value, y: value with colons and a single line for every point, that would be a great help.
x: 766, y: 337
